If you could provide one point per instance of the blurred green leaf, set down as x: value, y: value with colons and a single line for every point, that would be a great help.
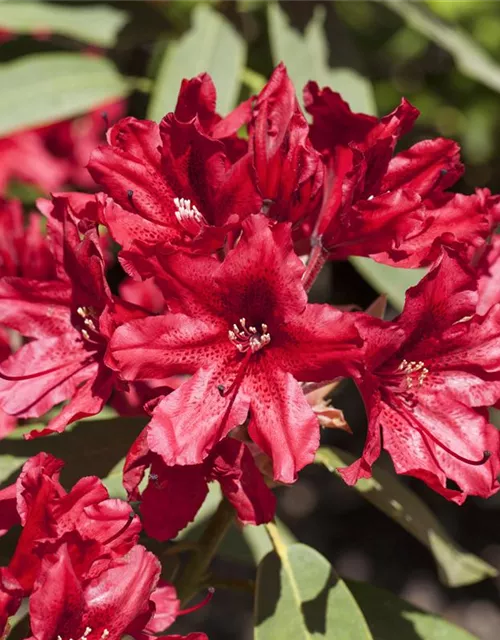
x: 298, y: 595
x: 98, y: 25
x: 90, y: 447
x: 391, y: 618
x: 306, y: 58
x: 212, y: 45
x: 469, y: 57
x: 391, y: 281
x: 43, y: 88
x: 385, y: 491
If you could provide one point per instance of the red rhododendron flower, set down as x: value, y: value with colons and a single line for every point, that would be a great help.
x: 246, y: 332
x: 93, y: 527
x: 174, y: 184
x: 489, y: 280
x: 115, y: 603
x: 393, y: 209
x: 56, y: 154
x: 70, y: 321
x: 428, y: 377
x: 23, y: 250
x: 289, y: 172
x: 174, y: 494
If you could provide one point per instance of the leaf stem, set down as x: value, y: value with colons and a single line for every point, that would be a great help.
x: 194, y: 575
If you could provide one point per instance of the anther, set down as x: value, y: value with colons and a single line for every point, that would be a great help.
x: 130, y: 195
x: 85, y: 334
x: 443, y: 172
x: 221, y: 389
x: 249, y: 338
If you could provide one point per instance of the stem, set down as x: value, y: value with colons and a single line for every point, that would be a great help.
x: 193, y: 575
x: 314, y: 265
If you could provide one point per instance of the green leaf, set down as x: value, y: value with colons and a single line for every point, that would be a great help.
x: 212, y: 45
x: 306, y: 58
x: 246, y: 544
x: 298, y: 595
x: 469, y: 57
x: 98, y: 25
x: 89, y: 447
x: 391, y: 618
x: 58, y: 85
x: 385, y: 491
x: 391, y: 281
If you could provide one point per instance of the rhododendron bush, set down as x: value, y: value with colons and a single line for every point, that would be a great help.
x: 165, y: 368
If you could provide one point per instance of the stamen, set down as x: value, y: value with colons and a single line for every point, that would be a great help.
x: 201, y: 604
x: 420, y: 427
x: 249, y: 338
x: 188, y: 216
x: 412, y: 367
x: 131, y: 517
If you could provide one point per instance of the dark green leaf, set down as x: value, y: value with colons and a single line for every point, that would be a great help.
x: 391, y: 618
x: 60, y: 85
x: 98, y: 25
x: 386, y: 492
x: 213, y: 45
x: 90, y: 447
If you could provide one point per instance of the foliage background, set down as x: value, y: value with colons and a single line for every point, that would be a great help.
x: 448, y: 65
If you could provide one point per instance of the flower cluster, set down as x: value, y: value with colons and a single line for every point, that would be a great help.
x: 212, y: 337
x: 78, y: 562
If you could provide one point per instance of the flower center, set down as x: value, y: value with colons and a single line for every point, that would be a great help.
x: 249, y: 338
x: 86, y: 634
x: 188, y: 216
x: 415, y: 372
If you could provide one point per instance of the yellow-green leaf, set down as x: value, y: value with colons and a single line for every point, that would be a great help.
x: 212, y: 45
x: 98, y: 25
x: 43, y: 88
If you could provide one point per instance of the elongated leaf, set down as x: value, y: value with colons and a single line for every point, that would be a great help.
x: 391, y: 618
x: 89, y: 447
x: 211, y: 45
x: 469, y: 57
x: 98, y: 25
x: 306, y: 58
x: 298, y: 595
x: 43, y: 88
x: 456, y: 567
x: 391, y: 281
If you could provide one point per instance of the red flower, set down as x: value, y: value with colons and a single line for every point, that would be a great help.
x: 56, y: 154
x: 176, y: 183
x: 489, y: 281
x: 289, y: 172
x: 115, y: 603
x: 392, y: 209
x: 429, y: 377
x: 94, y: 528
x: 174, y: 494
x: 23, y: 250
x: 246, y: 332
x: 70, y: 322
